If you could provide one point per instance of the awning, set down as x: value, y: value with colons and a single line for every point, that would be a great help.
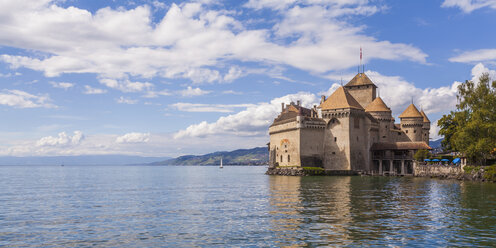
x: 456, y: 160
x: 444, y: 160
x: 427, y: 160
x: 435, y: 160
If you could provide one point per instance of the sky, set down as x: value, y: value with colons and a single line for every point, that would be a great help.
x: 168, y: 78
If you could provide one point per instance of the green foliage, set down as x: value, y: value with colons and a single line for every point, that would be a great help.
x: 420, y: 155
x: 314, y: 170
x: 471, y: 129
x: 490, y: 173
x: 469, y: 169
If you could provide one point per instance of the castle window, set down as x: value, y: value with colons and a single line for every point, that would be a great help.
x: 335, y: 139
x: 289, y: 159
x: 357, y: 138
x: 400, y: 133
x: 383, y: 137
x: 281, y: 158
x: 406, y: 131
x: 333, y: 152
x: 357, y: 122
x: 386, y: 126
x: 414, y: 131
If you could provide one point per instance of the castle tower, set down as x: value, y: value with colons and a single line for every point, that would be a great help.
x: 362, y: 89
x: 345, y: 133
x: 425, y: 128
x: 381, y: 112
x: 412, y: 123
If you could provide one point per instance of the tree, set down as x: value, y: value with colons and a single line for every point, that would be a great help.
x: 471, y: 129
x: 420, y: 155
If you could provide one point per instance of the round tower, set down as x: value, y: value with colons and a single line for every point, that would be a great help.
x: 412, y: 123
x: 425, y: 128
x: 381, y: 112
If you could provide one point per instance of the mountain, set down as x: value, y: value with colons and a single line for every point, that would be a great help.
x: 254, y: 156
x: 435, y: 143
x: 80, y: 160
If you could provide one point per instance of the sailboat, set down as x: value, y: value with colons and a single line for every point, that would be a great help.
x: 221, y: 163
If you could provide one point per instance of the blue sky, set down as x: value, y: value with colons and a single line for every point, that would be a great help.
x: 165, y: 78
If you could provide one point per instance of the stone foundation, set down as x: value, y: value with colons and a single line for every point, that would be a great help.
x: 440, y: 171
x: 299, y: 171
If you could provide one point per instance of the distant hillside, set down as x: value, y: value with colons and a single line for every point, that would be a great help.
x: 255, y: 156
x: 80, y: 160
x: 435, y: 143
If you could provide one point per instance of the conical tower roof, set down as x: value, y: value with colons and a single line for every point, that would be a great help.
x: 340, y: 99
x: 377, y: 105
x: 360, y: 79
x: 411, y: 112
x: 425, y: 116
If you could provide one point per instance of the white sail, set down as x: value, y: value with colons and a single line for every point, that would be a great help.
x: 220, y: 163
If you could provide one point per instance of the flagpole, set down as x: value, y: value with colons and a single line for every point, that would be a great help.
x: 360, y: 59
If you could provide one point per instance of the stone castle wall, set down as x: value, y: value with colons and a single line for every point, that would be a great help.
x: 429, y: 170
x: 412, y: 128
x: 285, y: 144
x: 364, y: 94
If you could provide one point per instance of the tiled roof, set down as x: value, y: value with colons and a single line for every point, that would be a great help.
x: 360, y: 79
x: 290, y: 112
x: 377, y: 106
x: 400, y: 146
x: 340, y: 99
x: 411, y: 111
x: 425, y: 116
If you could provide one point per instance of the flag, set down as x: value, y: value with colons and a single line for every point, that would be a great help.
x: 360, y: 53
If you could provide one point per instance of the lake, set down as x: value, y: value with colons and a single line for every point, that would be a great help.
x: 146, y: 206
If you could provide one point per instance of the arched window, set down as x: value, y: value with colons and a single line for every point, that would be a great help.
x: 289, y: 159
x: 281, y: 158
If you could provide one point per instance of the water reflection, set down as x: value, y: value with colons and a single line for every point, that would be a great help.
x: 136, y: 206
x: 374, y: 211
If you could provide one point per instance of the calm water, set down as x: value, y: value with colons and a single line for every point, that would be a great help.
x: 133, y: 206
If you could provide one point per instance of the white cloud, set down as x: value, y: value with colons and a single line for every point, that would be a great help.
x: 468, y: 6
x: 189, y: 92
x: 233, y: 74
x: 198, y: 107
x: 5, y: 75
x: 126, y: 85
x: 62, y: 85
x: 232, y: 92
x: 155, y: 94
x: 480, y: 55
x: 191, y: 41
x: 133, y: 138
x: 480, y: 69
x: 396, y: 92
x: 22, y: 99
x: 93, y: 91
x: 328, y: 92
x: 252, y: 121
x: 126, y: 100
x: 157, y: 145
x: 434, y: 131
x: 61, y: 140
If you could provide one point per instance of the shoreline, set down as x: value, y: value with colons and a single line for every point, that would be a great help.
x: 476, y: 175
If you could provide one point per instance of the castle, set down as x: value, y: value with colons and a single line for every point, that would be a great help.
x: 351, y: 131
